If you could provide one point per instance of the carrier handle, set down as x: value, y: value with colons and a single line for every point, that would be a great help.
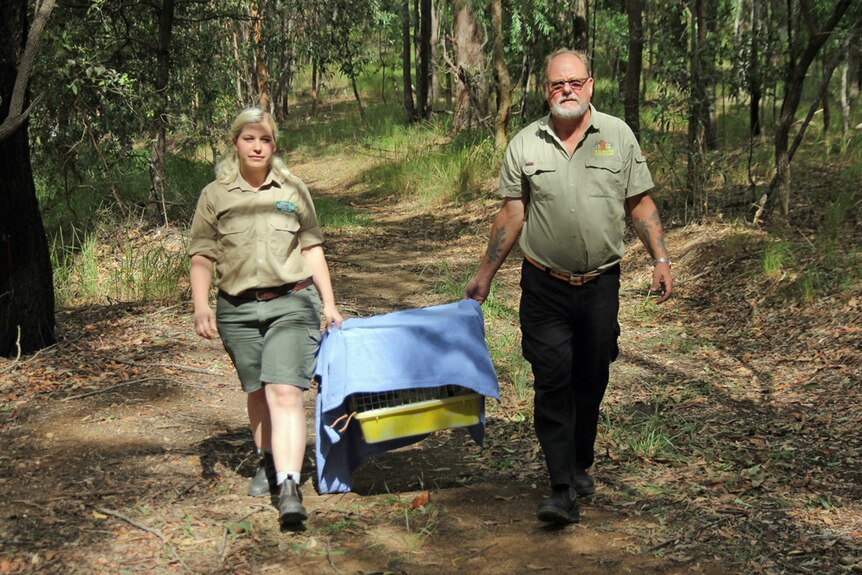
x: 346, y: 423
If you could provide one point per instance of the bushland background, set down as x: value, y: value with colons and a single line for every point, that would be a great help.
x: 729, y: 439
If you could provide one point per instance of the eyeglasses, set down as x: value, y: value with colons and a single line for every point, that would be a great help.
x: 576, y: 84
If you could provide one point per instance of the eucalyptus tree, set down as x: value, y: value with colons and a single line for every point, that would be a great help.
x: 580, y: 15
x: 267, y: 39
x: 119, y: 77
x: 340, y: 38
x: 824, y: 18
x: 406, y: 66
x: 535, y: 28
x: 26, y: 283
x: 698, y: 105
x: 501, y: 77
x: 634, y: 10
x: 684, y: 54
x: 424, y: 72
x: 471, y: 92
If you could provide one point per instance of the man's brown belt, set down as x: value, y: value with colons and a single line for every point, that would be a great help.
x: 573, y: 279
x: 266, y: 294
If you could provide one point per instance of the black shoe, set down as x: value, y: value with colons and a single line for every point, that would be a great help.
x: 263, y: 482
x: 290, y: 509
x: 583, y: 485
x: 559, y: 508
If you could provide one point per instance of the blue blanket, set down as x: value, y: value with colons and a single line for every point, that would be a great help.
x: 417, y: 348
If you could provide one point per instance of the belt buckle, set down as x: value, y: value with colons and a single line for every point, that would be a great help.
x: 576, y: 280
x: 257, y: 294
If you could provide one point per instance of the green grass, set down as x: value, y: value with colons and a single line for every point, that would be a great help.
x: 438, y: 173
x: 419, y: 161
x: 644, y: 435
x: 777, y: 257
x: 95, y: 268
x: 826, y: 257
x: 333, y: 213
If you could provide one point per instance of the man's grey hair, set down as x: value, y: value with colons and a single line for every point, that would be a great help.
x: 582, y: 56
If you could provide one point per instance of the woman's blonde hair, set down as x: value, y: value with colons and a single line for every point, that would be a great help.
x: 227, y: 169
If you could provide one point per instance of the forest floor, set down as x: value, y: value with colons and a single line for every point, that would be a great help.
x: 730, y: 442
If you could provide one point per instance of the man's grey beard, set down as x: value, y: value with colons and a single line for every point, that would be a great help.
x: 558, y: 111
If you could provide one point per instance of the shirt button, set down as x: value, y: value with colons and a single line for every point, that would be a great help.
x: 572, y: 210
x: 260, y: 261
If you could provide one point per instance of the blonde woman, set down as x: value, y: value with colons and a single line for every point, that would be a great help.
x: 257, y: 226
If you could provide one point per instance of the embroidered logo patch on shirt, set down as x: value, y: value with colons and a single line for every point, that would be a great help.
x: 286, y: 207
x: 604, y: 148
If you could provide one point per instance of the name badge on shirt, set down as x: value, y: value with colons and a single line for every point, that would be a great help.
x: 286, y: 207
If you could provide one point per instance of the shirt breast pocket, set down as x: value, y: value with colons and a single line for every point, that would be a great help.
x: 605, y: 177
x: 234, y: 236
x: 283, y: 233
x: 542, y: 179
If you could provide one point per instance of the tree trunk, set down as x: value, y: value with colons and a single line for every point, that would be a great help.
x: 259, y: 55
x: 501, y: 75
x: 406, y: 71
x: 855, y: 80
x: 696, y: 121
x: 358, y: 100
x: 822, y: 95
x: 381, y: 54
x: 417, y: 57
x: 633, y: 70
x: 845, y: 98
x: 646, y: 32
x: 237, y: 59
x: 754, y: 77
x: 285, y: 65
x: 792, y: 96
x: 156, y: 207
x: 526, y: 71
x: 709, y: 27
x: 433, y: 89
x: 471, y: 91
x: 315, y: 82
x: 424, y: 78
x: 26, y: 282
x: 580, y: 25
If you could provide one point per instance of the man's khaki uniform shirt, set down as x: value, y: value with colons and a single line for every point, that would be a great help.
x: 575, y: 206
x: 255, y: 236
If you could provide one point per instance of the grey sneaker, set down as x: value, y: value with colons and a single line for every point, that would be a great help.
x: 290, y: 509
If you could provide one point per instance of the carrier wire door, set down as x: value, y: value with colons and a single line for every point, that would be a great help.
x: 418, y: 411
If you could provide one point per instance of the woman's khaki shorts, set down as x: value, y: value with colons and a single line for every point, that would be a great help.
x: 273, y: 341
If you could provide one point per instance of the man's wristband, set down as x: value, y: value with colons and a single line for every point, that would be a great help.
x: 662, y: 261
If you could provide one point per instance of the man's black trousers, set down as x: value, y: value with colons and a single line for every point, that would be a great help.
x: 569, y: 336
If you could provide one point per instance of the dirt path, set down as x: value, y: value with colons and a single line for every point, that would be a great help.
x: 126, y: 447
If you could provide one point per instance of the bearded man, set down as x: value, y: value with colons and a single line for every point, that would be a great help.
x: 568, y: 180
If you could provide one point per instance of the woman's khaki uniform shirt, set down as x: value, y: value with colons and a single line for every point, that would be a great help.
x: 255, y: 236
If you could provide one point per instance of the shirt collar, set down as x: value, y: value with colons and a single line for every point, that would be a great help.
x: 240, y: 184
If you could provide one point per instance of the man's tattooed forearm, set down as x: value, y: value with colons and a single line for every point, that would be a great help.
x: 650, y: 232
x: 642, y: 231
x: 495, y: 246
